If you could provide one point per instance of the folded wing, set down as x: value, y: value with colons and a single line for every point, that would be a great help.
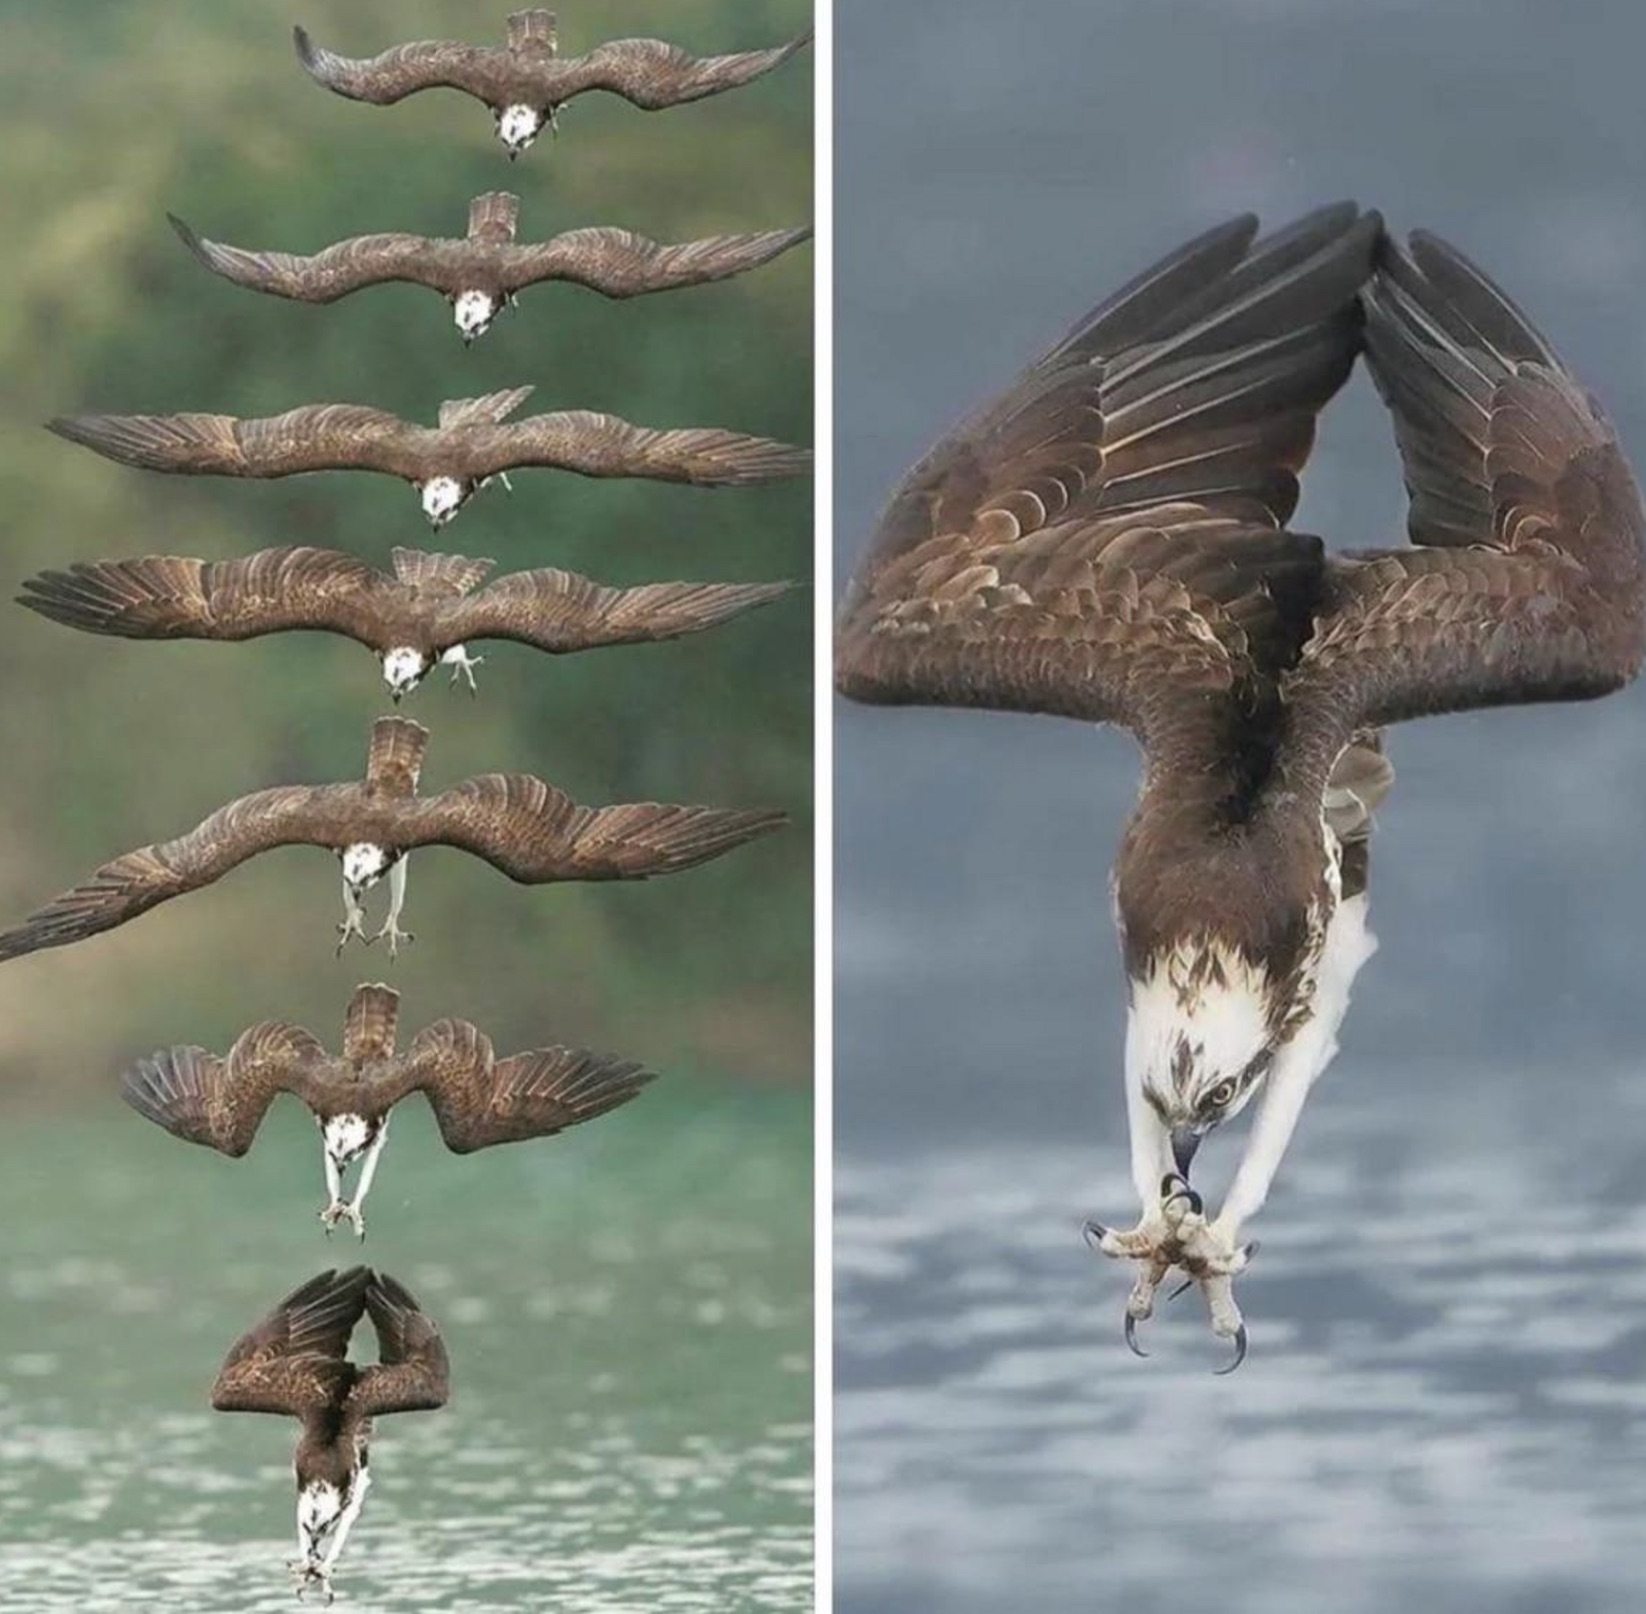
x: 294, y: 1361
x: 413, y: 1373
x: 479, y: 1101
x: 1526, y: 577
x: 1108, y: 531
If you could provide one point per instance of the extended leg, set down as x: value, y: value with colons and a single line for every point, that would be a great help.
x: 354, y: 917
x: 462, y: 665
x: 397, y: 901
x: 335, y: 1209
x: 368, y: 1169
x: 345, y: 1522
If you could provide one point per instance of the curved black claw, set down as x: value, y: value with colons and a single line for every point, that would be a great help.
x: 1094, y: 1234
x: 1239, y: 1355
x: 1131, y: 1337
x: 1173, y: 1186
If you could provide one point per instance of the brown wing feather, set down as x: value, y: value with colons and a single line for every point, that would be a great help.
x: 294, y: 1361
x: 536, y: 834
x: 221, y: 1102
x: 652, y: 74
x: 174, y: 597
x: 531, y: 1095
x: 1527, y: 581
x: 603, y: 445
x: 413, y: 1372
x: 289, y: 815
x: 318, y: 437
x: 619, y: 263
x: 560, y: 611
x: 403, y: 70
x: 325, y: 276
x: 1108, y: 530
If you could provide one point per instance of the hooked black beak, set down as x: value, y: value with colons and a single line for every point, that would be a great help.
x: 1185, y: 1140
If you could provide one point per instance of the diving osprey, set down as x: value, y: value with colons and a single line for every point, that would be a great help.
x: 426, y: 615
x: 526, y: 81
x: 478, y: 1100
x: 482, y: 275
x: 447, y: 463
x: 523, y: 827
x: 1107, y: 542
x: 295, y: 1362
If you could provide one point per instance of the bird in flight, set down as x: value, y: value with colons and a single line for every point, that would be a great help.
x: 1108, y: 542
x: 484, y: 273
x: 526, y: 80
x: 425, y: 615
x: 295, y: 1362
x: 478, y: 1099
x: 447, y: 463
x: 523, y: 827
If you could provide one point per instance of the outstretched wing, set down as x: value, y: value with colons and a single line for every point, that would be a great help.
x: 221, y: 1102
x: 289, y: 815
x: 604, y: 445
x: 318, y: 437
x: 175, y: 597
x: 560, y: 611
x: 294, y: 1361
x: 1108, y: 531
x: 479, y: 1101
x: 323, y: 277
x: 396, y: 73
x: 1527, y: 576
x: 654, y: 75
x: 536, y: 834
x: 619, y: 263
x: 413, y: 1372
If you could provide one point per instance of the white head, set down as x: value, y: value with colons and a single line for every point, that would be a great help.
x: 442, y: 497
x: 403, y: 669
x: 364, y: 864
x: 319, y: 1506
x: 474, y: 311
x: 1200, y: 1037
x: 518, y: 126
x: 346, y: 1136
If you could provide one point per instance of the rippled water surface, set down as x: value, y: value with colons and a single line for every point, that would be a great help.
x: 629, y: 1322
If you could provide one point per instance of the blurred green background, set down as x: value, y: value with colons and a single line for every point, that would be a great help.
x: 628, y: 1307
x: 115, y: 112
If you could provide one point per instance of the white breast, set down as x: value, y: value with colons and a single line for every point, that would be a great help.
x: 346, y: 1137
x: 473, y: 311
x: 364, y: 863
x: 441, y: 497
x: 518, y: 126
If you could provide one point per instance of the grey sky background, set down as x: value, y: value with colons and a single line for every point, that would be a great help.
x: 998, y: 170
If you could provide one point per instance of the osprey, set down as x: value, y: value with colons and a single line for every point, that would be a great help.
x: 1108, y: 542
x: 482, y: 275
x: 478, y: 1099
x: 426, y: 615
x: 526, y: 81
x: 295, y: 1362
x: 523, y: 827
x: 445, y: 464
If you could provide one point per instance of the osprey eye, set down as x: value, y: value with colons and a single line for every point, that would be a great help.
x: 1221, y: 1094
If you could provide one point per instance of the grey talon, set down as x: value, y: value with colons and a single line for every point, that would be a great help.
x: 1131, y: 1337
x: 1239, y: 1356
x: 1094, y: 1234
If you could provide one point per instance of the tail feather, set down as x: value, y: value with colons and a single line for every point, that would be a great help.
x: 490, y: 410
x: 374, y: 1014
x: 494, y: 216
x: 395, y: 760
x: 417, y: 568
